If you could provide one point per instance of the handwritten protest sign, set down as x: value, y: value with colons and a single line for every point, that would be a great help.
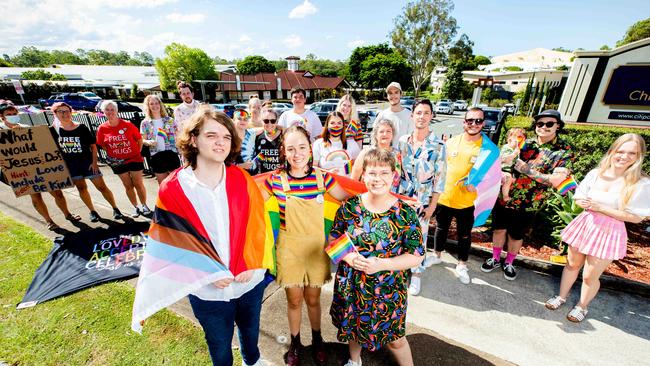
x: 31, y: 161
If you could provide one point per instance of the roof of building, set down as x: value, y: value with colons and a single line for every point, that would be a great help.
x: 288, y: 80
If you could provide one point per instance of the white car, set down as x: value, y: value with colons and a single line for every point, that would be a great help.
x: 444, y: 108
x: 280, y: 108
x: 330, y: 100
x: 460, y: 105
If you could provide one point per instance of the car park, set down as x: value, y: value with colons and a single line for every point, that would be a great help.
x: 460, y: 105
x: 444, y: 108
x: 280, y: 108
x: 241, y: 106
x: 322, y: 110
x: 367, y: 118
x: 510, y: 108
x: 494, y: 118
x: 407, y: 102
x: 446, y: 101
x: 126, y: 107
x: 76, y: 101
x: 228, y: 109
x: 90, y: 95
x: 330, y: 100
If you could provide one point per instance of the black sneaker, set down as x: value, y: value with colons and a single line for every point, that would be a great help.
x: 509, y: 272
x: 136, y: 212
x: 94, y: 216
x: 490, y: 264
x: 117, y: 214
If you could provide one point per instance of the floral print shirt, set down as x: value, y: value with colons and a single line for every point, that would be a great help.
x: 169, y: 126
x: 526, y: 193
x: 423, y: 169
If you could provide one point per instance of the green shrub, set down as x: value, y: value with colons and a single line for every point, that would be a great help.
x: 559, y: 212
x: 498, y: 103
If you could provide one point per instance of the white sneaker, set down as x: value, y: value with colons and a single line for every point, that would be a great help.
x: 260, y: 362
x: 414, y: 288
x: 352, y: 363
x: 431, y: 260
x: 462, y: 273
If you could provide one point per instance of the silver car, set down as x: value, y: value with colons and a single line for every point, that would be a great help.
x: 444, y: 108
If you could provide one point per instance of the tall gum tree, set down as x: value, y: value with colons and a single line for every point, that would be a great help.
x: 422, y: 35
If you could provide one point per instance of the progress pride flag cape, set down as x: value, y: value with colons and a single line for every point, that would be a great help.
x: 485, y: 175
x: 179, y: 257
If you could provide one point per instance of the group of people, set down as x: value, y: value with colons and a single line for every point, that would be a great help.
x: 410, y: 176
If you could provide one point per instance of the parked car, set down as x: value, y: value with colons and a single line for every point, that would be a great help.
x: 510, y: 108
x: 76, y: 101
x: 494, y: 118
x: 407, y: 102
x: 127, y: 107
x: 330, y: 100
x: 460, y: 105
x: 446, y: 101
x: 241, y: 106
x: 367, y: 118
x: 444, y: 108
x: 280, y: 108
x: 322, y: 110
x: 228, y: 109
x: 90, y: 95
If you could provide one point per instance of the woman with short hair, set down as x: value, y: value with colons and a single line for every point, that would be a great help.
x: 266, y: 156
x: 122, y: 142
x: 158, y: 131
x: 382, y: 138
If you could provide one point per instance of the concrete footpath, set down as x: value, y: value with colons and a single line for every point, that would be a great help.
x: 488, y: 322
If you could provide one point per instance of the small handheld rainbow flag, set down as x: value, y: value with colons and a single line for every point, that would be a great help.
x: 348, y: 167
x: 522, y: 141
x: 339, y: 248
x: 162, y: 133
x: 567, y: 185
x: 259, y: 157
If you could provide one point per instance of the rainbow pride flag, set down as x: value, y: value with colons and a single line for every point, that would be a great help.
x: 259, y: 157
x: 162, y: 134
x: 567, y: 185
x: 485, y: 175
x: 522, y: 141
x: 338, y: 248
x: 179, y: 257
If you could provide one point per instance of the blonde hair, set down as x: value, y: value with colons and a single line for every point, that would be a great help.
x: 147, y: 110
x: 516, y: 130
x: 375, y: 130
x: 633, y: 173
x: 354, y: 115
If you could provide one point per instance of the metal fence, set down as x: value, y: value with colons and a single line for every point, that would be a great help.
x: 92, y: 121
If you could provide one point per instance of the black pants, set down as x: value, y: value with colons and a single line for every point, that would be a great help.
x: 464, y: 223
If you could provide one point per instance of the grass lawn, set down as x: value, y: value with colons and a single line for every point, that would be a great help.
x: 91, y: 327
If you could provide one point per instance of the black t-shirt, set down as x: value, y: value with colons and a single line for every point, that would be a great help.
x: 75, y: 147
x: 267, y: 153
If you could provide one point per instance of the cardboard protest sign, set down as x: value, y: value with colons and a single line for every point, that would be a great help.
x: 31, y: 161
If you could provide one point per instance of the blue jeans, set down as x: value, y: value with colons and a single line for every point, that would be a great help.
x: 218, y: 319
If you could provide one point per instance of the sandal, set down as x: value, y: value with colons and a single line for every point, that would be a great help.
x: 52, y: 226
x: 554, y: 302
x: 73, y: 217
x: 577, y: 314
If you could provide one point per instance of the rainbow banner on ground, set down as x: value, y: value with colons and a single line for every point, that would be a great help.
x: 567, y: 185
x: 179, y: 257
x: 339, y: 248
x: 485, y: 175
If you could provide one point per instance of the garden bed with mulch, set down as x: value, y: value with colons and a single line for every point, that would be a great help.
x: 635, y: 266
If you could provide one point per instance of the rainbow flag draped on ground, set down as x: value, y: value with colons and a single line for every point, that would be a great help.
x: 485, y: 175
x: 179, y: 257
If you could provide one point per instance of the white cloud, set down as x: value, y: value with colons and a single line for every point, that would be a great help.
x: 303, y: 10
x: 329, y: 36
x: 244, y: 38
x: 356, y: 43
x: 292, y: 41
x: 121, y: 4
x: 185, y: 18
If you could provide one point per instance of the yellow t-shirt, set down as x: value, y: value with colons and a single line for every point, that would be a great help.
x: 461, y: 156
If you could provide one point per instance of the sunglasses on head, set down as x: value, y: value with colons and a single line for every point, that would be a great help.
x: 474, y: 121
x: 267, y: 121
x: 542, y: 124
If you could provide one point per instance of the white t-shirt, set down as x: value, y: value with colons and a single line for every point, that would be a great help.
x: 639, y: 203
x: 184, y: 111
x: 333, y: 157
x: 401, y: 120
x: 309, y: 120
x: 211, y: 205
x: 160, y: 141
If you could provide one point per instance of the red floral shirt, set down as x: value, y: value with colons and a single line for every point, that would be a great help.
x: 526, y: 193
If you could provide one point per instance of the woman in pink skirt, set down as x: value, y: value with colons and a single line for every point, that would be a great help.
x: 612, y: 194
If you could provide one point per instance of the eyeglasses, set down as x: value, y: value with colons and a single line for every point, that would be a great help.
x: 62, y: 111
x: 542, y: 124
x: 474, y: 121
x: 267, y: 121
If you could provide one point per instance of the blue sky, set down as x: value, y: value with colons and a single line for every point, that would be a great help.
x: 276, y: 29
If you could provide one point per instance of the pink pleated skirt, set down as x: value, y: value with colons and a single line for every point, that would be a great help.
x: 597, y: 235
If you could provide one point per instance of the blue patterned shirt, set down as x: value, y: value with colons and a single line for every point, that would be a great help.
x: 423, y: 169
